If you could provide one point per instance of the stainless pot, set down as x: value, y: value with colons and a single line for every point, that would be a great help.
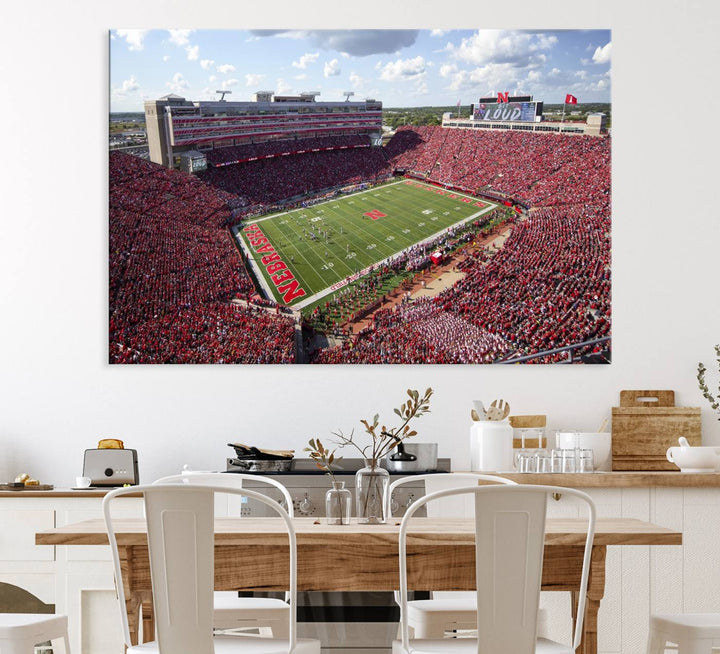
x: 424, y: 458
x: 262, y: 465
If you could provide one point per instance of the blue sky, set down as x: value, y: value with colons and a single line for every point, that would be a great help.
x: 399, y: 67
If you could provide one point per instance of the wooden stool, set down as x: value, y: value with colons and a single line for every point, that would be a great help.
x: 693, y: 633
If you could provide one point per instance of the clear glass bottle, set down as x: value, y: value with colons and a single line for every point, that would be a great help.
x: 371, y: 485
x: 338, y: 503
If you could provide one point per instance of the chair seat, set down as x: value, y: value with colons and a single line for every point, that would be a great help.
x: 252, y: 606
x: 445, y: 605
x: 244, y: 644
x: 26, y: 626
x: 469, y: 646
x: 703, y: 625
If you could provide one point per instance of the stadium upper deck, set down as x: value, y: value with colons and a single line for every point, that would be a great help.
x: 176, y: 125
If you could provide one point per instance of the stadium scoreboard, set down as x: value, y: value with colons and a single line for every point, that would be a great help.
x: 508, y: 109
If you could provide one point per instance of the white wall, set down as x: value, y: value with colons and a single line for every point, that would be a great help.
x: 58, y: 395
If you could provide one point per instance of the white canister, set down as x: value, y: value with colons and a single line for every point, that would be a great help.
x: 491, y: 446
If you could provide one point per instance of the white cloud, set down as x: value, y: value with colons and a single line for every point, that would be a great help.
x: 134, y: 38
x: 226, y: 68
x: 206, y: 64
x: 500, y: 46
x: 166, y: 58
x: 282, y: 87
x: 307, y: 58
x: 180, y: 37
x: 332, y: 68
x: 212, y: 78
x: 130, y: 84
x: 193, y: 52
x: 403, y: 69
x: 438, y: 33
x: 178, y: 84
x: 357, y: 81
x: 228, y: 83
x: 602, y: 55
x: 253, y: 80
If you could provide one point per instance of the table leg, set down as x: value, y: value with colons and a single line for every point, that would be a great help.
x: 148, y: 617
x: 596, y: 591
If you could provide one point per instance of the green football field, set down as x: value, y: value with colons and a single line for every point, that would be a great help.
x: 305, y: 254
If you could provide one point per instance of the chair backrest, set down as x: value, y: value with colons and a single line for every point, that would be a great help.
x: 509, y: 545
x: 180, y: 529
x: 230, y: 479
x: 442, y: 480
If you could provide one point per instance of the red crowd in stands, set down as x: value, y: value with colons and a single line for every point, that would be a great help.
x: 174, y: 268
x: 271, y: 181
x: 547, y: 287
x: 173, y: 272
x: 246, y: 152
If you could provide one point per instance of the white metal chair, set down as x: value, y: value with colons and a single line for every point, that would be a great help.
x: 180, y: 529
x: 233, y: 612
x: 693, y: 633
x: 509, y: 545
x: 20, y: 632
x: 446, y: 611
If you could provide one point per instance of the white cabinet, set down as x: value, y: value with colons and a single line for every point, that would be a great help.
x: 78, y: 580
x: 644, y: 579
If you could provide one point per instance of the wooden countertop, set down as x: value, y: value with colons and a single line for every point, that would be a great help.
x: 56, y: 493
x: 642, y: 479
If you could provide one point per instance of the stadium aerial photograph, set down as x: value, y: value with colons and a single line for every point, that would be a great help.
x: 360, y: 196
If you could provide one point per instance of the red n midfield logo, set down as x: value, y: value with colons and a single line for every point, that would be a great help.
x: 375, y: 214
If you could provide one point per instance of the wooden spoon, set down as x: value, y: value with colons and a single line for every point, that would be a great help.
x: 498, y: 410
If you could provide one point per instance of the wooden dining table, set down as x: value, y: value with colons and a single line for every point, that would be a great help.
x: 251, y: 554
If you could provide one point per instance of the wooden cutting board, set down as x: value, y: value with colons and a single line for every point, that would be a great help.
x: 645, y: 425
x: 7, y: 487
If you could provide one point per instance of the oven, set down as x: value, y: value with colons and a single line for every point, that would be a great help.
x: 344, y: 622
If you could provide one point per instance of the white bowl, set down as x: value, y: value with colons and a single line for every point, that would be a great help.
x: 599, y: 442
x: 695, y: 459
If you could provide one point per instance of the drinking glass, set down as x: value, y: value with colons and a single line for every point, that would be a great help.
x: 585, y: 461
x: 526, y: 461
x: 568, y: 460
x: 543, y: 461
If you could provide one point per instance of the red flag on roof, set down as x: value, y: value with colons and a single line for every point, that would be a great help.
x: 570, y: 99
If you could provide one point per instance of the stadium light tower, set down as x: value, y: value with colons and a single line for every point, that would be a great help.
x: 223, y: 94
x: 348, y: 95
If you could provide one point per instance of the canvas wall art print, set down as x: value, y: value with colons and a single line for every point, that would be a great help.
x: 360, y: 196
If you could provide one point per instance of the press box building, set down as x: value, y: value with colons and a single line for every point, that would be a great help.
x: 180, y: 130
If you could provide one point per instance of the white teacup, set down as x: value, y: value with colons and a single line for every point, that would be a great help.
x: 695, y: 459
x: 82, y: 482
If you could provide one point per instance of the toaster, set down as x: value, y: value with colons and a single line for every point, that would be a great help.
x: 111, y: 467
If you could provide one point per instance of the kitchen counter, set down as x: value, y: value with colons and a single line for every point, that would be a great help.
x: 641, y: 479
x: 55, y: 493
